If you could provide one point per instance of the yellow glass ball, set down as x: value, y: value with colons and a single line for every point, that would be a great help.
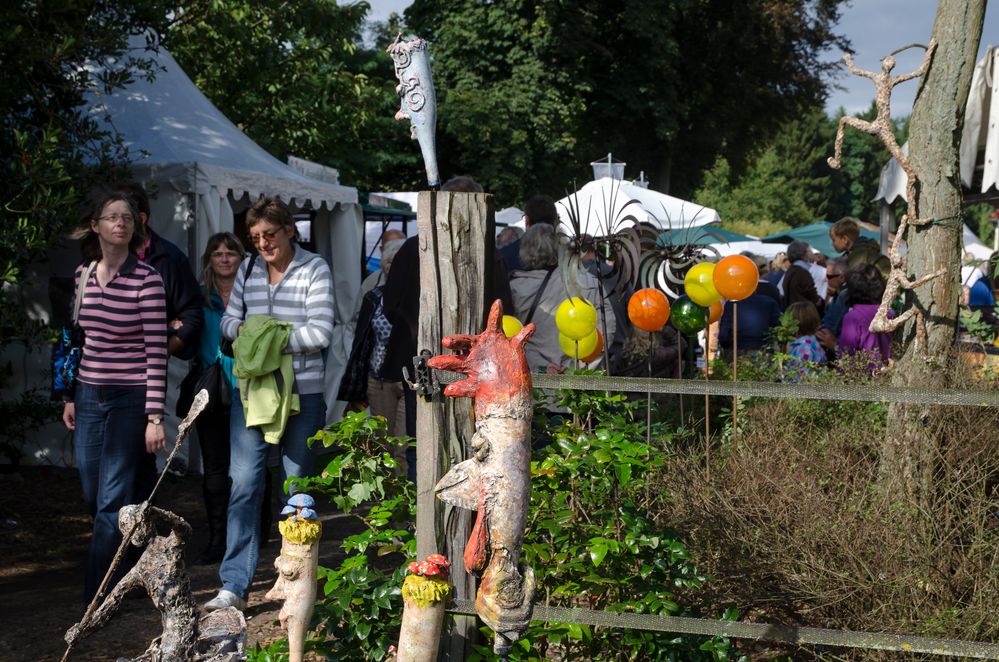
x: 587, y: 345
x: 576, y: 318
x: 511, y: 326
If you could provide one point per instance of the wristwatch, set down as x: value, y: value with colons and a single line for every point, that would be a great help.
x: 156, y: 420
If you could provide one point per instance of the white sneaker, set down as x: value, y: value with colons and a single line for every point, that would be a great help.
x: 225, y: 599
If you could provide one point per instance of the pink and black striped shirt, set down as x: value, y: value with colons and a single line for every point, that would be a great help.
x: 125, y: 324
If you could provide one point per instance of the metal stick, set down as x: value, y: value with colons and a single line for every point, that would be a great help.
x: 735, y: 369
x: 707, y: 403
x: 648, y: 401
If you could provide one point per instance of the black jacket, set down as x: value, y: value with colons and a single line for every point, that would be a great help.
x: 401, y: 305
x: 183, y: 296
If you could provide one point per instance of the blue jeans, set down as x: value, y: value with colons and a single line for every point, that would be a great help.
x: 109, y: 442
x: 247, y: 466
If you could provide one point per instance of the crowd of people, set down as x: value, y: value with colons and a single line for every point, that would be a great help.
x: 262, y: 320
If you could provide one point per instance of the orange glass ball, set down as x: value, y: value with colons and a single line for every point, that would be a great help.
x: 736, y: 277
x: 715, y: 312
x: 648, y: 309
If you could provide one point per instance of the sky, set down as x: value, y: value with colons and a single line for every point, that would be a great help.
x: 874, y: 28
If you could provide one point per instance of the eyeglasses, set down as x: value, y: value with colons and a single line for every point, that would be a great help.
x: 831, y: 276
x: 127, y: 219
x: 267, y: 235
x: 219, y: 255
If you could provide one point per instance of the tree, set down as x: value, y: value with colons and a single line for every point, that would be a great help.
x: 291, y: 75
x: 542, y: 88
x: 785, y: 184
x: 51, y: 151
x: 909, y: 456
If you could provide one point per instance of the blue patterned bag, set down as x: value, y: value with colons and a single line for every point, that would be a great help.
x: 66, y: 354
x: 68, y: 349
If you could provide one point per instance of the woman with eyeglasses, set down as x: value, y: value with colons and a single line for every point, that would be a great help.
x: 116, y: 414
x: 280, y: 316
x: 219, y: 264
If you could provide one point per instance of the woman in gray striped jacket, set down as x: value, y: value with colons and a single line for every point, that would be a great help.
x: 289, y: 284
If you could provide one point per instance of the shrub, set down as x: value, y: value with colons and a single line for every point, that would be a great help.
x: 592, y: 543
x: 793, y: 527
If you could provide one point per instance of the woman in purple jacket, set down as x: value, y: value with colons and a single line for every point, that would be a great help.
x: 865, y: 287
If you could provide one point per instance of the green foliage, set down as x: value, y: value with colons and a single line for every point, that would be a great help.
x: 51, y: 151
x: 590, y: 540
x: 293, y: 77
x: 359, y: 615
x: 27, y: 412
x: 976, y: 217
x: 786, y: 330
x: 592, y: 543
x: 788, y: 183
x: 976, y: 327
x: 531, y: 92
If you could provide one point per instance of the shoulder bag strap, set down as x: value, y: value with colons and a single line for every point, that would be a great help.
x: 80, y: 287
x: 246, y: 276
x: 537, y: 297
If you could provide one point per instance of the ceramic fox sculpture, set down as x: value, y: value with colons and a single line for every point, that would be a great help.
x: 496, y: 481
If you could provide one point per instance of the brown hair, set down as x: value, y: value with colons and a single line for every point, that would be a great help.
x: 98, y: 199
x: 270, y: 208
x: 230, y: 241
x: 847, y: 226
x: 807, y: 315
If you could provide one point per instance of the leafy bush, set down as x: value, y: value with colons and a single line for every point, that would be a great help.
x: 592, y: 543
x: 590, y: 539
x: 360, y: 611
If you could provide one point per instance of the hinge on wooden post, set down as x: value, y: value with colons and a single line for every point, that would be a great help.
x: 424, y: 384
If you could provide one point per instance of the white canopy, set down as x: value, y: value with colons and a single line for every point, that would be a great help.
x: 200, y: 168
x: 761, y: 248
x: 602, y: 205
x: 509, y: 216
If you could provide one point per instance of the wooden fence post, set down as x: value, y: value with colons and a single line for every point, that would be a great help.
x: 456, y: 242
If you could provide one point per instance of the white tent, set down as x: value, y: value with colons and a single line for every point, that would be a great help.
x: 602, y: 207
x: 509, y: 216
x: 200, y: 169
x: 761, y: 248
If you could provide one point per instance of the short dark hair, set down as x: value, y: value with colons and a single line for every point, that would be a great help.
x: 864, y: 285
x: 462, y: 184
x: 848, y: 227
x: 540, y: 208
x: 269, y: 208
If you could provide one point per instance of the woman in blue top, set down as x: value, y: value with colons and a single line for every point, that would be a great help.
x: 219, y: 265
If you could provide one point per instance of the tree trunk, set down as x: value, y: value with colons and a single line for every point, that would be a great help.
x: 911, y: 449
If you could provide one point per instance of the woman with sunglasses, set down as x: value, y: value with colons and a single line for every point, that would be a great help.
x: 287, y: 290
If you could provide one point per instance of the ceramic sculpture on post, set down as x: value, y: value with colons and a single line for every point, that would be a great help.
x: 496, y: 481
x: 296, y: 566
x: 425, y: 594
x: 418, y: 102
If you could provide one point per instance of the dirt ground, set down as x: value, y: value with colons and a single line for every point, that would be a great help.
x: 44, y: 533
